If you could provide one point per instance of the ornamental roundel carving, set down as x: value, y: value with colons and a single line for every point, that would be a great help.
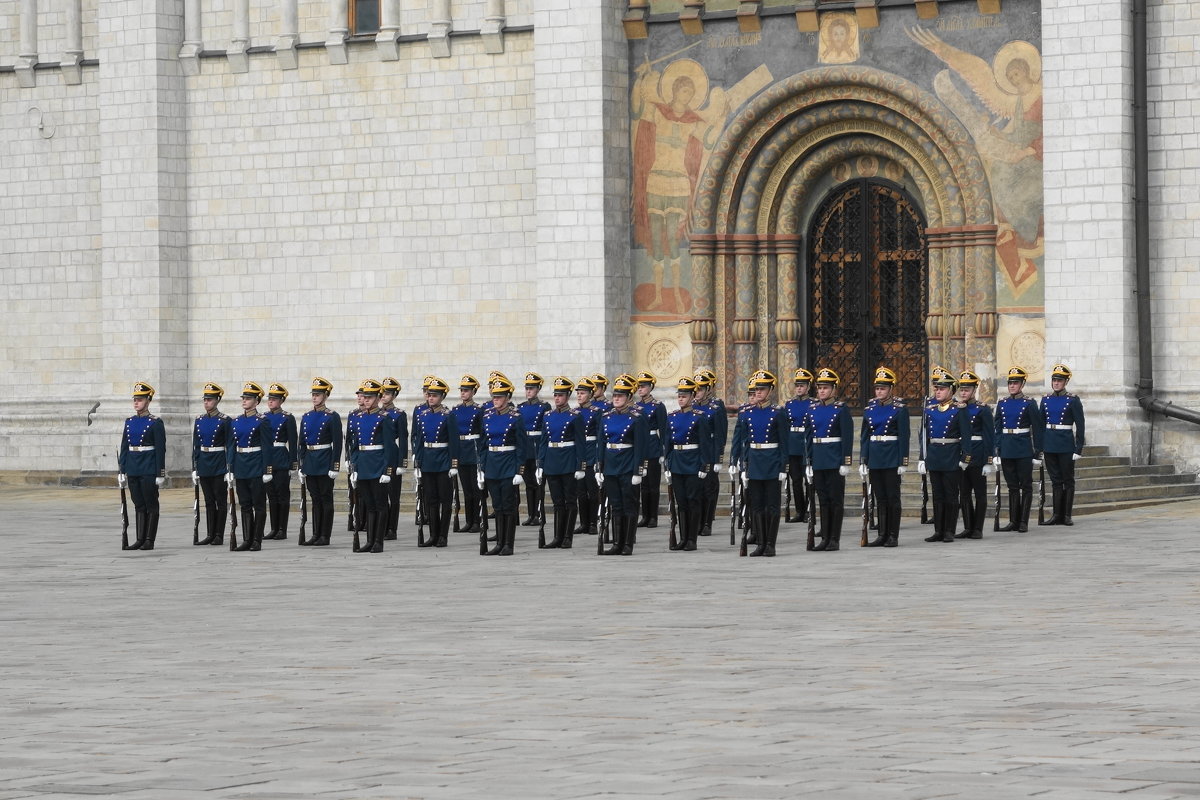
x: 663, y: 357
x: 1028, y: 350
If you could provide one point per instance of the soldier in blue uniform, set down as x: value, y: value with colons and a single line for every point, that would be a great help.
x: 359, y: 516
x: 387, y: 404
x: 372, y: 456
x: 946, y: 429
x: 211, y: 434
x: 249, y: 467
x: 469, y: 415
x: 435, y: 456
x: 1063, y: 445
x: 532, y: 410
x: 283, y: 458
x: 142, y: 464
x: 560, y: 460
x: 718, y: 419
x: 656, y: 416
x: 320, y: 459
x: 830, y: 432
x: 1018, y: 448
x: 980, y: 446
x: 759, y: 455
x: 502, y: 462
x: 419, y: 409
x: 587, y: 490
x: 883, y: 454
x: 599, y: 385
x: 621, y: 463
x: 796, y: 408
x: 689, y: 455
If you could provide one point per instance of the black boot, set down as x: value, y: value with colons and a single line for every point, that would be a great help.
x: 690, y: 522
x: 366, y: 539
x: 1014, y: 512
x: 247, y: 532
x: 559, y: 518
x: 443, y: 529
x: 823, y: 528
x: 208, y: 527
x: 630, y: 535
x: 836, y: 516
x: 221, y: 516
x: 260, y: 523
x: 568, y: 529
x: 433, y: 524
x: 1068, y: 504
x: 881, y: 538
x: 948, y: 522
x: 1026, y: 505
x: 501, y: 523
x: 938, y: 514
x: 772, y: 531
x: 1056, y: 513
x: 378, y: 527
x: 968, y: 516
x: 510, y: 535
x: 151, y: 530
x: 893, y: 528
x: 139, y: 529
x: 618, y: 534
x: 281, y: 526
x: 758, y: 530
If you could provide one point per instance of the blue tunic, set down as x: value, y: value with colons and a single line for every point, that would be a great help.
x: 561, y: 447
x: 245, y: 456
x: 210, y: 438
x: 656, y: 417
x: 623, y: 442
x: 884, y: 440
x: 532, y: 412
x: 320, y: 442
x: 719, y: 420
x: 983, y: 433
x: 143, y: 447
x: 591, y: 429
x: 371, y: 445
x: 435, y: 440
x: 469, y: 418
x: 689, y: 442
x: 1018, y: 427
x: 283, y: 439
x: 505, y: 443
x: 795, y: 409
x: 400, y: 424
x: 830, y: 435
x: 950, y: 423
x: 760, y: 441
x: 1063, y: 415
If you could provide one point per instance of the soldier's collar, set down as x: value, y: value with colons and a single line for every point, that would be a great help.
x: 944, y: 406
x: 216, y: 412
x: 320, y: 408
x: 250, y: 413
x: 143, y: 413
x: 1017, y: 396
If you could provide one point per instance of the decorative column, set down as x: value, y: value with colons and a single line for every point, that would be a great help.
x: 387, y: 41
x: 440, y: 25
x: 339, y: 30
x: 702, y: 248
x: 189, y: 51
x: 745, y: 306
x: 27, y: 58
x: 289, y: 36
x: 787, y: 326
x: 239, y: 60
x: 73, y: 53
x: 492, y: 30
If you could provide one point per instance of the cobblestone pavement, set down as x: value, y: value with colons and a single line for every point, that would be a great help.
x: 1061, y: 663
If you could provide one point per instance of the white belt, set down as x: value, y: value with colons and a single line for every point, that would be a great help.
x: 589, y: 438
x: 1060, y: 427
x: 687, y: 447
x: 619, y: 446
x: 944, y: 441
x: 763, y: 445
x: 798, y: 429
x: 1015, y: 430
x: 436, y: 445
x: 884, y: 438
x: 533, y: 433
x: 976, y: 438
x: 561, y: 444
x: 654, y: 433
x: 827, y: 440
x: 146, y: 449
x: 469, y: 436
x: 249, y: 449
x: 370, y: 447
x: 214, y: 449
x: 325, y: 446
x: 281, y: 444
x: 508, y: 448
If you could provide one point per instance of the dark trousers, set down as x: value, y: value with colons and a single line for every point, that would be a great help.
x: 279, y: 499
x: 144, y: 493
x: 436, y: 494
x: 830, y: 487
x: 468, y: 483
x: 532, y: 490
x: 796, y: 470
x: 762, y: 497
x: 563, y: 489
x: 216, y: 504
x: 712, y: 492
x: 946, y: 486
x: 973, y: 497
x: 885, y: 485
x: 651, y: 490
x: 622, y: 495
x: 588, y: 498
x: 394, y: 490
x: 689, y: 506
x: 252, y: 495
x: 1018, y: 474
x: 1061, y: 467
x: 320, y: 489
x: 503, y: 495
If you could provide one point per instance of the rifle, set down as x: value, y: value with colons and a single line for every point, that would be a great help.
x: 1042, y: 499
x: 787, y: 491
x: 196, y: 521
x: 674, y: 543
x: 604, y: 521
x: 483, y: 518
x: 232, y: 520
x: 734, y: 510
x: 421, y: 513
x: 812, y: 515
x: 457, y: 506
x: 124, y: 521
x: 542, y: 514
x: 996, y: 519
x: 743, y: 523
x: 867, y: 497
x: 303, y: 511
x: 925, y: 520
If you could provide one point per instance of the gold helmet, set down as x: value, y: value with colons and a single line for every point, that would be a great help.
x: 321, y: 385
x: 500, y: 385
x: 968, y: 378
x: 437, y: 385
x: 369, y: 386
x: 469, y: 382
x: 143, y: 389
x: 277, y: 390
x: 685, y: 385
x: 761, y: 379
x: 801, y: 375
x: 645, y: 376
x: 1017, y: 374
x: 533, y: 379
x: 391, y: 385
x: 1060, y: 371
x: 828, y: 375
x: 562, y: 384
x: 624, y: 385
x: 252, y: 389
x: 885, y: 377
x: 214, y: 391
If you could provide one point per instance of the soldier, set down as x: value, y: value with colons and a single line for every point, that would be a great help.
x: 372, y: 456
x: 1064, y: 439
x: 718, y: 419
x: 419, y: 409
x: 142, y: 464
x: 502, y: 462
x: 249, y: 467
x: 532, y: 410
x: 830, y: 450
x: 211, y: 434
x: 356, y: 502
x: 946, y: 429
x: 435, y: 456
x: 469, y: 414
x: 758, y: 453
x: 560, y: 460
x: 600, y: 384
x: 1018, y: 448
x: 796, y: 408
x: 883, y: 454
x: 980, y: 447
x: 283, y: 459
x: 656, y: 417
x: 320, y: 451
x: 588, y: 489
x: 387, y: 404
x: 621, y: 464
x: 689, y: 455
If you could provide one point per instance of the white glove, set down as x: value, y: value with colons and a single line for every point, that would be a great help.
x: 808, y: 472
x: 700, y: 475
x: 229, y: 478
x: 480, y: 480
x: 580, y: 475
x: 921, y: 468
x: 385, y: 478
x: 299, y: 476
x: 863, y: 471
x: 988, y: 469
x: 268, y: 477
x: 662, y: 461
x: 745, y: 479
x: 399, y: 471
x: 900, y: 470
x: 782, y: 477
x: 195, y: 478
x: 1037, y: 462
x: 962, y: 465
x: 1075, y: 456
x: 637, y: 480
x: 518, y: 480
x: 333, y: 473
x: 667, y: 475
x: 454, y: 472
x: 843, y: 470
x: 354, y: 478
x: 716, y: 469
x: 733, y: 469
x: 540, y: 474
x: 160, y: 482
x: 995, y: 461
x: 417, y: 473
x: 122, y: 481
x: 599, y: 478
